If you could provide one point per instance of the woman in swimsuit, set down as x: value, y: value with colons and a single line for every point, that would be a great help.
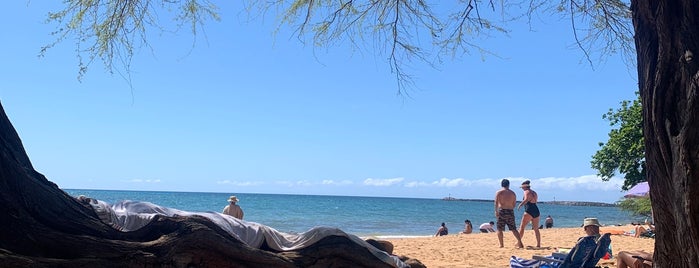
x: 442, y: 230
x: 468, y: 228
x: 531, y: 212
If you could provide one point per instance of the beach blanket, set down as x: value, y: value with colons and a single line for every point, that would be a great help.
x: 517, y: 262
x: 132, y: 215
x: 612, y: 231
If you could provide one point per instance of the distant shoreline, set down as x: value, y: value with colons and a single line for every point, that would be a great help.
x: 562, y: 203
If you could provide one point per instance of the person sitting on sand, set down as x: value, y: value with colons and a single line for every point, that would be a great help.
x: 442, y: 230
x: 641, y: 231
x: 634, y: 259
x: 468, y: 228
x: 487, y: 227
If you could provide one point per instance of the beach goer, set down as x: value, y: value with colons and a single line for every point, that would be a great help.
x: 488, y: 227
x: 548, y: 222
x: 442, y: 230
x: 591, y: 227
x: 634, y: 259
x: 531, y: 211
x: 233, y: 209
x: 505, y: 201
x: 585, y: 249
x: 468, y: 227
x: 641, y: 231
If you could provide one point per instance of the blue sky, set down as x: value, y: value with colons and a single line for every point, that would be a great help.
x: 238, y: 109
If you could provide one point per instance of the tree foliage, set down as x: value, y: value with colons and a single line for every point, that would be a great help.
x: 640, y: 206
x: 113, y: 30
x: 625, y: 150
x: 403, y: 31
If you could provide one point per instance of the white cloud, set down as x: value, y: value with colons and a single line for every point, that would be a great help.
x: 239, y: 183
x: 415, y: 184
x: 444, y: 182
x: 565, y: 188
x: 303, y: 183
x: 483, y: 182
x: 382, y: 182
x: 332, y: 182
x: 549, y: 188
x: 284, y: 183
x: 586, y: 182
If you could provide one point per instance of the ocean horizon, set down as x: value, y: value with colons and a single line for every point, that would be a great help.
x: 383, y: 217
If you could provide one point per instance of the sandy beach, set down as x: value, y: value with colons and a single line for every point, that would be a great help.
x: 482, y: 249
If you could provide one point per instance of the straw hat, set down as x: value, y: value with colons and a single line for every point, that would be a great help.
x: 591, y: 221
x: 233, y: 199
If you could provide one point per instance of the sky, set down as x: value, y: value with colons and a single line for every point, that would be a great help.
x: 240, y: 108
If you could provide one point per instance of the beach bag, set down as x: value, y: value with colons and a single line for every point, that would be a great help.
x: 517, y: 262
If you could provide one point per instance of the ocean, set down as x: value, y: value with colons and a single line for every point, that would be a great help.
x: 382, y: 217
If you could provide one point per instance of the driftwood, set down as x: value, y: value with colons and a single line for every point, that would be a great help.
x: 42, y: 226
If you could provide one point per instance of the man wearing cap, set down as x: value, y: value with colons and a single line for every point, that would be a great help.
x: 233, y: 209
x: 505, y: 200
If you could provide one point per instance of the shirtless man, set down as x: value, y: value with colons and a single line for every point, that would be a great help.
x: 505, y: 201
x: 233, y: 209
x: 531, y: 212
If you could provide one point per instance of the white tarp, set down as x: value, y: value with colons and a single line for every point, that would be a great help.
x: 132, y: 215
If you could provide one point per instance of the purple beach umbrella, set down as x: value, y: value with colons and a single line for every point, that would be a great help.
x: 638, y: 190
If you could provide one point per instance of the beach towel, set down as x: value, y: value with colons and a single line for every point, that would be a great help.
x: 517, y: 262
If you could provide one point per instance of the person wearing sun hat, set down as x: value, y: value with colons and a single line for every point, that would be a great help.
x: 587, y: 252
x: 591, y: 226
x: 589, y: 249
x: 233, y: 209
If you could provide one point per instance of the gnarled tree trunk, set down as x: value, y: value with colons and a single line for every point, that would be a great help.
x: 667, y: 45
x: 40, y: 225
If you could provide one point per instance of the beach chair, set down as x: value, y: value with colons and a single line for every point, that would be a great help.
x: 585, y: 254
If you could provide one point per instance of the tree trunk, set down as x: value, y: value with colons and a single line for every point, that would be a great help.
x: 667, y: 36
x: 41, y: 225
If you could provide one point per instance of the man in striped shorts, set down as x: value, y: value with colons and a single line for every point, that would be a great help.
x: 505, y: 201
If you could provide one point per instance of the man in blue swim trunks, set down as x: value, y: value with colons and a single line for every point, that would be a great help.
x: 531, y: 211
x: 505, y: 201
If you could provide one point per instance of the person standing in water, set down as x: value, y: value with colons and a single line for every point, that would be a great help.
x: 548, y: 222
x: 531, y: 211
x: 505, y: 201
